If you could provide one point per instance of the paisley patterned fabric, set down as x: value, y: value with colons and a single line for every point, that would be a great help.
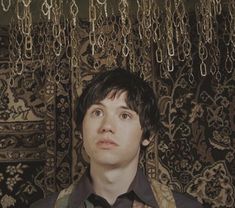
x: 163, y: 195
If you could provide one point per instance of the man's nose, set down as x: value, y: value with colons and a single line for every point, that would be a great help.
x: 107, y: 124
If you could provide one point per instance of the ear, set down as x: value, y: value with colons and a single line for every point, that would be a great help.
x: 79, y: 134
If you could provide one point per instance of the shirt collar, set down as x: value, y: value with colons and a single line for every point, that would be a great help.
x: 83, y: 189
x: 140, y: 186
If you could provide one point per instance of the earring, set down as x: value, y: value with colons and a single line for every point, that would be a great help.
x: 145, y: 142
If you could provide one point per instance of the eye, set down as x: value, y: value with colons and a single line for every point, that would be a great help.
x: 97, y: 112
x: 125, y: 116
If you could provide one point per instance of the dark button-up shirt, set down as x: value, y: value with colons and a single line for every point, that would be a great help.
x: 139, y: 190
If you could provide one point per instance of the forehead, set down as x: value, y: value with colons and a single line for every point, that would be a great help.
x: 114, y: 97
x: 116, y: 94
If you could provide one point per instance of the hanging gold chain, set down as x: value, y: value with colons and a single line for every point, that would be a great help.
x: 100, y: 25
x: 230, y: 24
x: 92, y: 19
x: 126, y: 26
x: 56, y: 28
x: 169, y: 33
x: 157, y: 33
x: 147, y: 20
x: 169, y: 29
x: 74, y: 11
x: 12, y: 55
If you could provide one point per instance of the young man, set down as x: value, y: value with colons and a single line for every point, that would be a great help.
x: 117, y: 117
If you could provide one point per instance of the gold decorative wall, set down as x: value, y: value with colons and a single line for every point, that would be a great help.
x: 49, y: 49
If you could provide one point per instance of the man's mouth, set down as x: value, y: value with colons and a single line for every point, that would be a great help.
x: 106, y: 143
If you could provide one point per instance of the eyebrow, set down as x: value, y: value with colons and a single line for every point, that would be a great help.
x: 98, y: 103
x: 125, y: 107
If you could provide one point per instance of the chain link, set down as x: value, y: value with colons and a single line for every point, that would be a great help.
x: 6, y: 4
x: 46, y: 8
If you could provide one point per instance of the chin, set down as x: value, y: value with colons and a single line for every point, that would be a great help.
x: 107, y: 160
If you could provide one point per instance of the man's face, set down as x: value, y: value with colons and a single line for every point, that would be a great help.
x: 112, y: 132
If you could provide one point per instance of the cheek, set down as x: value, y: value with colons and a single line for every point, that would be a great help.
x: 133, y: 136
x: 86, y: 134
x: 86, y: 146
x: 88, y: 143
x: 87, y: 126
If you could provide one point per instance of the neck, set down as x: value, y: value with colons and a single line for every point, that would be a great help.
x: 110, y: 182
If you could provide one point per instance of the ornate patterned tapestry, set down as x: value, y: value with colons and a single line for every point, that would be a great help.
x: 191, y: 73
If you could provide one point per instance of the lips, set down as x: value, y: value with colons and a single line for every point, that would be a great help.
x: 106, y: 143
